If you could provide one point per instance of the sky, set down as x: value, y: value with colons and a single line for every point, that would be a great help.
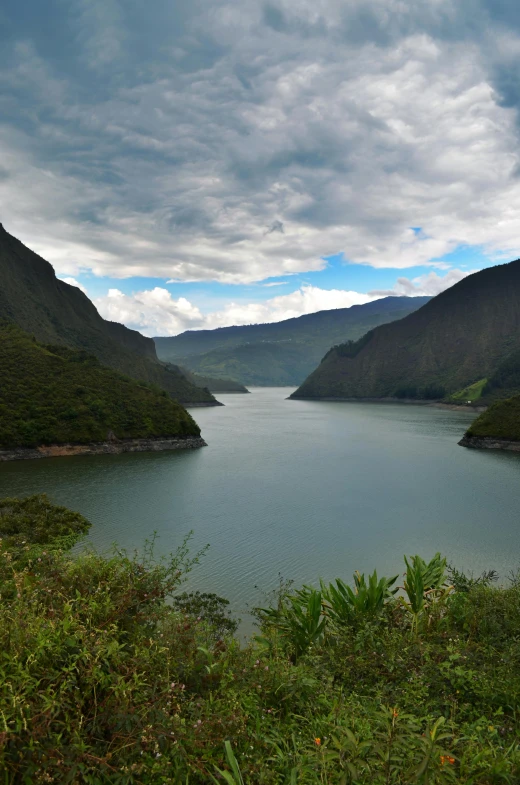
x: 197, y: 163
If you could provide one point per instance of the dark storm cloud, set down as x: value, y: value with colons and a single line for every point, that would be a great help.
x: 164, y: 139
x: 276, y: 226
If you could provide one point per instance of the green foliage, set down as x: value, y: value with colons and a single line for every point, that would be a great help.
x: 299, y: 620
x: 472, y: 393
x: 500, y: 421
x: 210, y: 608
x: 215, y: 385
x: 264, y: 363
x: 108, y: 677
x: 235, y: 778
x: 424, y: 584
x: 344, y: 605
x: 56, y: 395
x: 34, y: 521
x: 350, y: 348
x: 504, y: 382
x: 464, y: 583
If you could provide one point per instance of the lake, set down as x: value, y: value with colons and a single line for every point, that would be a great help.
x: 299, y: 488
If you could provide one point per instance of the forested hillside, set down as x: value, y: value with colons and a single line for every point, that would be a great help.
x: 54, y: 312
x: 56, y: 395
x: 468, y: 334
x: 281, y: 353
x: 500, y: 421
x: 214, y: 384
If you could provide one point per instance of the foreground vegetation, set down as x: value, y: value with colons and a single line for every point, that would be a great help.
x: 109, y: 675
x: 55, y: 395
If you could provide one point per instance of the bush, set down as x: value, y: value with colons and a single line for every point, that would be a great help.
x: 34, y: 521
x: 110, y: 675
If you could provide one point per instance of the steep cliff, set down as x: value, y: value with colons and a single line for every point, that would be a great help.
x: 280, y: 353
x: 54, y: 312
x: 458, y: 338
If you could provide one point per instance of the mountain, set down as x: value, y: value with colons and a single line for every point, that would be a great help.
x: 257, y: 364
x: 461, y: 337
x: 57, y: 313
x: 496, y: 428
x: 280, y: 353
x: 53, y: 395
x: 214, y: 384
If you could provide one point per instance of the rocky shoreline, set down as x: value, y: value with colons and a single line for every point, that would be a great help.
x: 112, y: 447
x: 201, y: 404
x: 415, y: 401
x: 489, y: 443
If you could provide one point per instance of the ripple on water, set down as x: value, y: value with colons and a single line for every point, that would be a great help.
x: 299, y: 488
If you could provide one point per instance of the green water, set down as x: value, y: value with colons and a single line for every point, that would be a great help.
x: 299, y: 488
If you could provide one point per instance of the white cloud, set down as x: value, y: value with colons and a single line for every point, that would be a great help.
x: 73, y: 282
x: 428, y: 285
x: 236, y: 141
x: 152, y: 312
x: 156, y: 312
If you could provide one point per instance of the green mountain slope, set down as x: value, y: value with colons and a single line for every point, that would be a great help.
x: 282, y: 353
x: 56, y: 395
x: 500, y: 421
x: 460, y: 337
x: 214, y: 385
x: 54, y: 312
x: 505, y: 379
x: 261, y: 364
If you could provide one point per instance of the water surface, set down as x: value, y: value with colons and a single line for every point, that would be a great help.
x: 299, y: 488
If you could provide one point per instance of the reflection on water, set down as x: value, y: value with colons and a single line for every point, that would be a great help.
x: 299, y: 488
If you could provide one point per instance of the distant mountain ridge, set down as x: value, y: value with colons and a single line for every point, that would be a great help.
x: 461, y: 337
x: 54, y: 312
x: 279, y: 353
x: 214, y: 385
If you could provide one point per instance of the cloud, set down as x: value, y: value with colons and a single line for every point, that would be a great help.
x: 277, y: 226
x: 73, y: 282
x: 156, y: 312
x: 238, y: 141
x: 428, y: 285
x: 152, y: 312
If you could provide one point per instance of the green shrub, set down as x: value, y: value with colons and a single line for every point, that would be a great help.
x: 33, y: 522
x: 109, y: 674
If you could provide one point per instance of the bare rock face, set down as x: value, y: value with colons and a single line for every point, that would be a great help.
x: 112, y: 446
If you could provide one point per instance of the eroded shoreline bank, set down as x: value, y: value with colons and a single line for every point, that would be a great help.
x: 415, y: 401
x: 102, y: 448
x: 489, y: 443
